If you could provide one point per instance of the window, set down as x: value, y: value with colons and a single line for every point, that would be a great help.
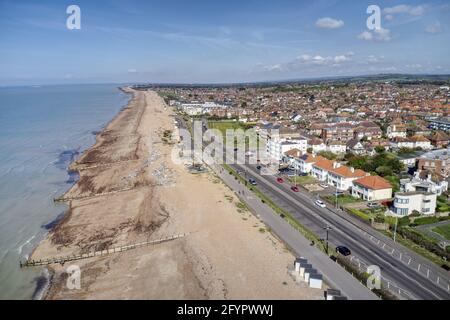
x: 401, y: 201
x: 402, y: 211
x: 424, y: 210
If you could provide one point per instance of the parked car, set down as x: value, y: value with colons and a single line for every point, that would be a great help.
x: 343, y: 250
x: 323, y: 185
x: 373, y: 205
x: 338, y: 193
x: 320, y: 203
x: 252, y: 182
x: 280, y: 180
x: 258, y: 167
x: 295, y: 189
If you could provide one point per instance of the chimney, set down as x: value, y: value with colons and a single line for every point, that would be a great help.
x: 336, y: 165
x: 352, y: 170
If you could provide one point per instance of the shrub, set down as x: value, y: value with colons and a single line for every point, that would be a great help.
x: 423, y: 241
x: 365, y: 217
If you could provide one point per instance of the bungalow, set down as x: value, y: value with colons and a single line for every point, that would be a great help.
x: 320, y: 169
x: 372, y: 188
x: 342, y: 177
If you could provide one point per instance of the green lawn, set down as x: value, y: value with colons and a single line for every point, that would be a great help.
x: 342, y: 199
x: 223, y: 126
x: 443, y: 231
x: 303, y: 180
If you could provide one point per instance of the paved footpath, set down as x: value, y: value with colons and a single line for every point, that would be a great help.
x: 332, y: 273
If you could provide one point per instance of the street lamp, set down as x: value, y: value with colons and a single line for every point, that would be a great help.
x: 327, y: 228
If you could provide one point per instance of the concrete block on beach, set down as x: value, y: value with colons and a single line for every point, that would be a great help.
x: 303, y: 267
x: 298, y: 262
x: 308, y: 273
x: 315, y: 281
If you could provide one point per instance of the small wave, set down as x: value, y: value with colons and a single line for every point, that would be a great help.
x: 19, y: 249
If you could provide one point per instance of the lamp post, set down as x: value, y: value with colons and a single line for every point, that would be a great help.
x: 327, y: 228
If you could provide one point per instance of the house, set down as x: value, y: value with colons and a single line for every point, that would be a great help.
x: 306, y: 161
x: 421, y: 142
x: 406, y: 203
x: 437, y: 161
x: 342, y: 177
x: 412, y: 143
x: 396, y: 130
x: 320, y: 169
x: 290, y: 157
x: 368, y: 132
x: 355, y: 146
x: 424, y: 181
x: 337, y: 147
x: 439, y: 139
x: 317, y: 145
x: 372, y: 188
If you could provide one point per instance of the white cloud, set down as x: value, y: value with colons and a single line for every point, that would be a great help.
x: 389, y: 17
x: 366, y: 35
x: 377, y: 35
x: 132, y: 70
x: 329, y: 23
x: 310, y: 61
x: 405, y: 9
x: 434, y: 28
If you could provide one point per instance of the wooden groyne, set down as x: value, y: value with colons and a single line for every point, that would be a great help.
x: 66, y: 199
x: 62, y: 260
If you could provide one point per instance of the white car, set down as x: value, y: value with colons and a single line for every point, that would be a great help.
x: 320, y: 204
x: 323, y: 185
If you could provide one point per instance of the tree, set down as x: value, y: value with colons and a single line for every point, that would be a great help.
x: 380, y: 149
x: 310, y: 150
x: 328, y: 154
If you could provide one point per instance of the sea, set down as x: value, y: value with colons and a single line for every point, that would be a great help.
x: 42, y: 130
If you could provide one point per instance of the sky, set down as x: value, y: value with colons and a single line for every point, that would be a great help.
x: 209, y: 41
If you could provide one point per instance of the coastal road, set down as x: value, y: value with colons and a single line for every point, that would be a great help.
x: 415, y: 284
x: 399, y: 271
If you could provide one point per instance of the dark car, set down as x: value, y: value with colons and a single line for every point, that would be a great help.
x: 280, y: 180
x: 252, y: 182
x: 343, y: 250
x: 258, y: 167
x: 295, y: 189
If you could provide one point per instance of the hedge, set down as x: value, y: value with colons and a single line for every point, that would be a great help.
x: 423, y: 241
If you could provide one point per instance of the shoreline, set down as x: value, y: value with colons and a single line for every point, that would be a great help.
x: 40, y: 290
x: 145, y: 199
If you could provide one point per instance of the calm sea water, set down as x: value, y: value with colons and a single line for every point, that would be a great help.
x: 42, y: 129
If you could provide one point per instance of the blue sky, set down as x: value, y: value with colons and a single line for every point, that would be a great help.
x: 193, y: 41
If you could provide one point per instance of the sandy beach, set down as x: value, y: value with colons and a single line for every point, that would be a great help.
x: 131, y: 191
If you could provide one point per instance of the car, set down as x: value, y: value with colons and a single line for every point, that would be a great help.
x: 320, y: 203
x: 258, y: 167
x: 338, y: 193
x: 373, y: 205
x: 343, y: 250
x: 295, y: 189
x: 280, y: 180
x: 252, y: 182
x: 323, y: 185
x: 236, y: 149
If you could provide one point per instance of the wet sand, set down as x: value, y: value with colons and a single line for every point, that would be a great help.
x: 130, y: 191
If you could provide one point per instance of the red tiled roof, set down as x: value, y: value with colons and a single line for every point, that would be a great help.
x: 374, y: 183
x: 347, y: 172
